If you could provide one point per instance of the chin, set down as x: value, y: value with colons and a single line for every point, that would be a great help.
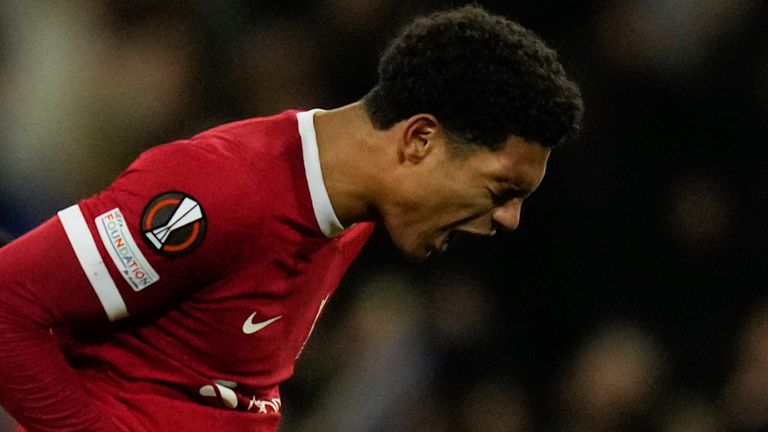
x: 416, y: 256
x: 413, y: 252
x: 413, y: 245
x: 416, y: 252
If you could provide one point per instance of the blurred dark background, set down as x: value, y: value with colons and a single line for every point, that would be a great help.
x: 632, y: 297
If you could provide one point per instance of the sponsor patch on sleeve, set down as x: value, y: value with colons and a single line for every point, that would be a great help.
x: 123, y: 250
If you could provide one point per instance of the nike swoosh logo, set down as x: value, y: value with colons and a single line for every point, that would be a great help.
x: 249, y: 327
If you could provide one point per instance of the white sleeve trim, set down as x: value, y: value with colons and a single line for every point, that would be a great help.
x: 321, y: 203
x: 90, y: 260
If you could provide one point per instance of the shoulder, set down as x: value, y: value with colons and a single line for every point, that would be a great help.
x: 230, y: 151
x: 262, y: 135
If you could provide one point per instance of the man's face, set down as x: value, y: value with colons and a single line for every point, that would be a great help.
x: 475, y: 193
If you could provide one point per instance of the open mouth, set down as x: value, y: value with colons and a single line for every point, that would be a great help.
x: 457, y: 239
x: 445, y: 241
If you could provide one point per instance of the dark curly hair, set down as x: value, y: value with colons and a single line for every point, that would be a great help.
x: 482, y: 76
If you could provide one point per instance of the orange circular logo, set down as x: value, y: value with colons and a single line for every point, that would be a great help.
x: 173, y: 223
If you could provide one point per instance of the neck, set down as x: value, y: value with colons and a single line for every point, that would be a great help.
x: 345, y: 140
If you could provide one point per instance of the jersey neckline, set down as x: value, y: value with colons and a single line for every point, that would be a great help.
x: 321, y: 202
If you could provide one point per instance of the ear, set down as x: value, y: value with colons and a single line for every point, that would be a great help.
x: 418, y: 138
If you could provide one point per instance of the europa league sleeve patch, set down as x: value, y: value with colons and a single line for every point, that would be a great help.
x: 173, y: 223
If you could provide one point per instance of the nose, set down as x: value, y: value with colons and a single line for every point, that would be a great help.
x: 507, y: 216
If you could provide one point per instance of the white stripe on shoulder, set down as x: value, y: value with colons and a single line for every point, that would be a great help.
x: 321, y: 202
x: 90, y: 260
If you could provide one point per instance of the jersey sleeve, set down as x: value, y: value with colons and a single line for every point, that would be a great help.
x: 168, y: 226
x: 175, y: 221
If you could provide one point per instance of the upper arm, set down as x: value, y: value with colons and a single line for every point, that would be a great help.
x: 166, y: 227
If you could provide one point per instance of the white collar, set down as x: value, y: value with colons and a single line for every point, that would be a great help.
x: 321, y: 203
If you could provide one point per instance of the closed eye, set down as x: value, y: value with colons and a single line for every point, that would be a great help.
x: 506, y: 195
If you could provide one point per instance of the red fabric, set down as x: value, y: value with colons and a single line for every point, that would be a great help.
x: 38, y: 387
x: 263, y: 253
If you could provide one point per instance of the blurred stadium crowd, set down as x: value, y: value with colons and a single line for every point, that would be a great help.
x: 632, y: 298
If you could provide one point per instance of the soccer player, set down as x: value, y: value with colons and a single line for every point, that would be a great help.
x: 179, y: 298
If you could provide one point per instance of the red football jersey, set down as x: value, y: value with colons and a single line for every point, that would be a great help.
x: 180, y: 296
